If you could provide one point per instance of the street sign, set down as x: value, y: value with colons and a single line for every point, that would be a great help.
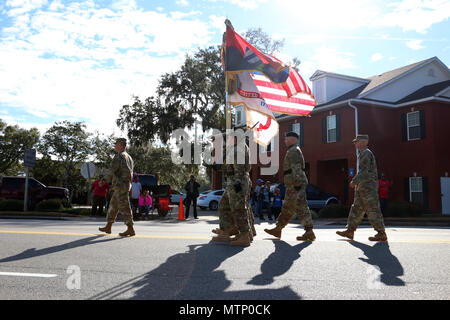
x: 29, y: 158
x: 88, y: 170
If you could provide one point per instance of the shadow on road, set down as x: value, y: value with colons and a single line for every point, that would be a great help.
x: 31, y: 253
x: 193, y: 275
x: 279, y: 262
x: 380, y: 256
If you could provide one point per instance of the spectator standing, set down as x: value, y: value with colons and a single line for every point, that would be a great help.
x: 383, y: 189
x: 266, y: 201
x: 100, y: 188
x: 145, y: 203
x: 136, y: 189
x: 192, y: 193
x: 259, y: 194
x: 276, y: 203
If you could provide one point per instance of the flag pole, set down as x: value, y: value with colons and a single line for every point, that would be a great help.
x: 227, y: 107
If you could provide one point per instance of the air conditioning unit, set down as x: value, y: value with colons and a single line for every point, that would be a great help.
x: 239, y: 119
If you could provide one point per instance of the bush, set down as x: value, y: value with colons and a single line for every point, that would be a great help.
x: 49, y: 205
x: 334, y: 211
x: 11, y: 205
x: 404, y: 209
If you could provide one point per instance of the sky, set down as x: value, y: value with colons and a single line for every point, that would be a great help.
x: 83, y: 60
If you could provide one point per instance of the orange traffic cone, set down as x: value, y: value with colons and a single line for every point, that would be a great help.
x: 181, y: 210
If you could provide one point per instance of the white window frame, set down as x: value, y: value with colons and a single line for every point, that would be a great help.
x: 411, y: 191
x: 408, y: 126
x: 328, y: 128
x: 296, y: 127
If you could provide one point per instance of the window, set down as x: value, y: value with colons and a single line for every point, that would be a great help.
x: 413, y: 122
x: 331, y: 128
x: 219, y: 193
x: 296, y: 127
x: 416, y: 190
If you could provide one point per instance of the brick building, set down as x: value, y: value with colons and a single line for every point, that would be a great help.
x: 406, y: 113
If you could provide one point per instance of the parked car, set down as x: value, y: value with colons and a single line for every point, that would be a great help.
x: 317, y: 198
x: 210, y: 199
x: 14, y: 188
x: 176, y: 196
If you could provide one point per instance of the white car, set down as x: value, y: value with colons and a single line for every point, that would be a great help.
x: 209, y: 199
x: 176, y: 195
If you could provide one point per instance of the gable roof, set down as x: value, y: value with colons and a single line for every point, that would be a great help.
x: 381, y: 79
x: 426, y: 91
x: 378, y: 80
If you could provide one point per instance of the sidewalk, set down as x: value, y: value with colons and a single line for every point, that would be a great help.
x: 443, y: 221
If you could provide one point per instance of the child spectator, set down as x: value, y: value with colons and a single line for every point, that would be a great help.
x: 276, y: 204
x: 145, y: 203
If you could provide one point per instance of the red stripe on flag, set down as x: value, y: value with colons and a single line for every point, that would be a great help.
x: 273, y: 96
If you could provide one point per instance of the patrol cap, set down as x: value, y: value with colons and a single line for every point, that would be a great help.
x: 361, y: 137
x: 259, y: 181
x: 291, y: 134
x: 122, y: 141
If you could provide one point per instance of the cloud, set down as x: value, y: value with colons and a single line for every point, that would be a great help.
x: 83, y: 61
x: 182, y: 3
x: 326, y: 15
x: 415, y: 44
x: 416, y: 15
x: 244, y: 4
x: 329, y: 58
x: 376, y: 57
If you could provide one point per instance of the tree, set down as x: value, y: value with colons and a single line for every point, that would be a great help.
x: 68, y: 144
x: 158, y: 161
x: 103, y: 149
x: 13, y: 142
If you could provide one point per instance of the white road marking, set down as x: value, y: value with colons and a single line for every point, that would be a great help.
x: 20, y: 274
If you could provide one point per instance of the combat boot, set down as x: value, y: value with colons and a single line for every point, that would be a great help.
x: 107, y: 228
x: 222, y: 236
x: 242, y: 239
x: 349, y: 233
x: 128, y: 233
x: 253, y: 231
x: 276, y: 232
x: 380, y: 236
x: 307, y: 236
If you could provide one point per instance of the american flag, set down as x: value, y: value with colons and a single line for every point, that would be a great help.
x: 292, y: 97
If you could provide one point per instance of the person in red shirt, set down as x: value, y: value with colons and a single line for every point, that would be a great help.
x: 383, y: 189
x: 100, y: 188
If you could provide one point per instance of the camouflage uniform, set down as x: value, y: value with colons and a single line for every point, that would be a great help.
x: 122, y: 173
x: 234, y: 206
x: 366, y: 193
x: 296, y: 182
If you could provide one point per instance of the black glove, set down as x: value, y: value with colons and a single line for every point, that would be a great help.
x: 237, y: 186
x: 298, y: 188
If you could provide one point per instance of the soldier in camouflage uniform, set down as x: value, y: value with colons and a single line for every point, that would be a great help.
x: 122, y: 173
x: 295, y: 199
x: 366, y: 193
x: 234, y: 205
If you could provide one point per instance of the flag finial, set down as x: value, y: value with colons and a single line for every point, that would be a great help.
x: 228, y: 23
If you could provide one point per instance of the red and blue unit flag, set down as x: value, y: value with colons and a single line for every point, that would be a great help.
x: 242, y: 56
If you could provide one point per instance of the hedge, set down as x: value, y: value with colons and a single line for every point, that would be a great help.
x: 404, y: 209
x: 11, y: 205
x: 49, y: 205
x: 334, y: 210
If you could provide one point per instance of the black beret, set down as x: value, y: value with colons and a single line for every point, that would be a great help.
x: 291, y: 134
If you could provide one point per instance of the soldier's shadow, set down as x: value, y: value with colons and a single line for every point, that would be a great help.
x: 193, y: 275
x: 380, y: 255
x: 278, y: 262
x: 32, y: 252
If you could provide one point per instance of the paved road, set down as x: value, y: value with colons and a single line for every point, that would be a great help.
x: 171, y: 259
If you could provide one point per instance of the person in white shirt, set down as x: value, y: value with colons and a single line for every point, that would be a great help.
x: 135, y: 192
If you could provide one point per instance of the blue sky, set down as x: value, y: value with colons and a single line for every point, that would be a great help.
x: 83, y: 60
